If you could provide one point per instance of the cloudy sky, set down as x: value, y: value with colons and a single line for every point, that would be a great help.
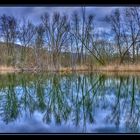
x: 33, y: 13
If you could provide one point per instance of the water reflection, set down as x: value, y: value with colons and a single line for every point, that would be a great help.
x: 69, y: 103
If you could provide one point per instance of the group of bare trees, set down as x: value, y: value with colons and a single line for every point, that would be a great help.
x: 70, y: 40
x: 8, y: 30
x: 56, y: 30
x: 126, y: 31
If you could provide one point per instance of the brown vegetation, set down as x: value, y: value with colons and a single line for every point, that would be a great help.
x: 101, y: 69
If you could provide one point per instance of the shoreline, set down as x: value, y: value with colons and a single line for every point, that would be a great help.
x: 100, y: 69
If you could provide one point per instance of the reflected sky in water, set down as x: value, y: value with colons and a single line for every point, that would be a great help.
x: 72, y: 103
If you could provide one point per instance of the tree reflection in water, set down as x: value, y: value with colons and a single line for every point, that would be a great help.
x: 79, y: 100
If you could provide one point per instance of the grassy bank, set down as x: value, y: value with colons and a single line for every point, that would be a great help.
x: 10, y: 69
x: 108, y: 68
x: 118, y: 68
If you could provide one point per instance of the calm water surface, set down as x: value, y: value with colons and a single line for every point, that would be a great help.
x: 72, y: 103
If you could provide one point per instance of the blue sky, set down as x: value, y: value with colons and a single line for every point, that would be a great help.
x: 34, y: 13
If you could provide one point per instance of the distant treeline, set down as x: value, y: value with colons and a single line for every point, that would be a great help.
x: 62, y: 40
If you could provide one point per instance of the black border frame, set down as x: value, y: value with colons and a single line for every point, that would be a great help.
x: 67, y: 2
x: 42, y: 3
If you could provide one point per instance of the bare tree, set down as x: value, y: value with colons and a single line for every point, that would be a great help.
x: 88, y: 41
x: 132, y: 20
x: 26, y: 35
x: 125, y: 25
x: 39, y: 42
x: 56, y: 35
x: 8, y: 28
x: 75, y: 43
x: 115, y: 21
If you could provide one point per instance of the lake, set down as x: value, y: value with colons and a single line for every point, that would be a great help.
x: 69, y: 103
